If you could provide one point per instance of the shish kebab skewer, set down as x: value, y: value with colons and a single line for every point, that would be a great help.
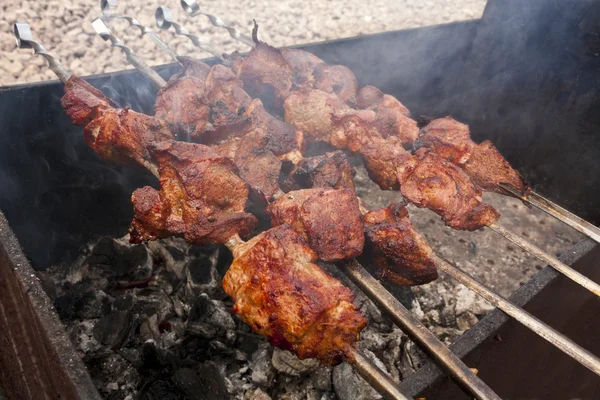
x: 525, y: 318
x: 552, y: 336
x: 329, y: 337
x: 530, y: 197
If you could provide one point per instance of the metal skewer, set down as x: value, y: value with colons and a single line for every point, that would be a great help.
x: 439, y: 352
x: 557, y: 212
x: 25, y: 41
x: 133, y: 59
x: 164, y: 20
x: 374, y: 376
x: 107, y: 13
x: 547, y: 258
x: 192, y: 9
x: 578, y: 353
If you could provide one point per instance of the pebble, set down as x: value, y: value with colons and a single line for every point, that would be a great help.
x: 62, y: 25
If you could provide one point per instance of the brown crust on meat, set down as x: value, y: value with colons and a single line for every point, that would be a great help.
x: 284, y: 296
x: 329, y: 219
x: 394, y: 250
x: 82, y: 102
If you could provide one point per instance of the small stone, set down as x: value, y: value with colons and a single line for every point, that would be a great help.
x: 287, y: 363
x: 466, y: 321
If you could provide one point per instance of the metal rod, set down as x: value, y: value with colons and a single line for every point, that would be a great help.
x: 379, y: 380
x: 164, y: 20
x: 547, y: 258
x: 192, y: 9
x: 557, y: 212
x: 418, y: 333
x: 578, y: 353
x: 133, y: 59
x: 25, y: 41
x: 107, y: 13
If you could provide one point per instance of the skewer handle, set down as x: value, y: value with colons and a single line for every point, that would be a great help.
x: 25, y: 41
x: 133, y: 59
x: 375, y: 376
x: 563, y: 343
x: 164, y: 20
x: 192, y: 9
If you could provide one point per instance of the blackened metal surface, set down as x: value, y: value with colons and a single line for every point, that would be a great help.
x: 37, y: 360
x: 544, y: 285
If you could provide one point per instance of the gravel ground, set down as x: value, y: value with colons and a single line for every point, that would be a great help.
x: 64, y: 28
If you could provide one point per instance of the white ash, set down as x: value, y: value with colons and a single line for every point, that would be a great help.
x: 64, y: 27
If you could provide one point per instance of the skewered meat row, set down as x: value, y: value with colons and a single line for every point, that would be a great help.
x: 297, y: 305
x: 328, y: 118
x: 451, y: 140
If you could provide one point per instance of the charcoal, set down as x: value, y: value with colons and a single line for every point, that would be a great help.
x: 321, y: 379
x: 209, y: 318
x: 188, y: 382
x: 93, y: 304
x: 201, y: 277
x: 115, y: 327
x: 167, y: 281
x: 160, y: 389
x: 120, y: 262
x: 349, y: 386
x: 287, y: 363
x: 263, y: 372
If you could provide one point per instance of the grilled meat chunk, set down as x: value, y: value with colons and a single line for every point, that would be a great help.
x: 331, y: 170
x: 82, y: 102
x: 303, y: 65
x: 222, y: 85
x: 482, y: 162
x: 336, y: 79
x: 284, y: 296
x: 382, y: 159
x: 201, y: 198
x: 371, y: 98
x: 265, y: 73
x: 394, y: 250
x: 427, y: 180
x: 123, y: 136
x: 328, y: 219
x: 182, y: 102
x: 487, y: 169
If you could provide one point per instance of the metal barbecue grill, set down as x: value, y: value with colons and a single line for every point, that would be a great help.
x: 468, y: 77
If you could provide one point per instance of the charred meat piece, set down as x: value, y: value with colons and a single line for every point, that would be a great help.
x: 328, y: 219
x: 123, y: 136
x: 303, y: 65
x: 336, y: 79
x: 331, y: 170
x: 201, y: 198
x: 429, y: 181
x: 392, y: 117
x: 487, y: 169
x: 284, y: 296
x: 82, y: 102
x: 449, y: 139
x: 257, y: 165
x: 223, y: 86
x: 265, y: 73
x: 382, y: 159
x: 182, y: 102
x: 482, y: 162
x: 394, y: 250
